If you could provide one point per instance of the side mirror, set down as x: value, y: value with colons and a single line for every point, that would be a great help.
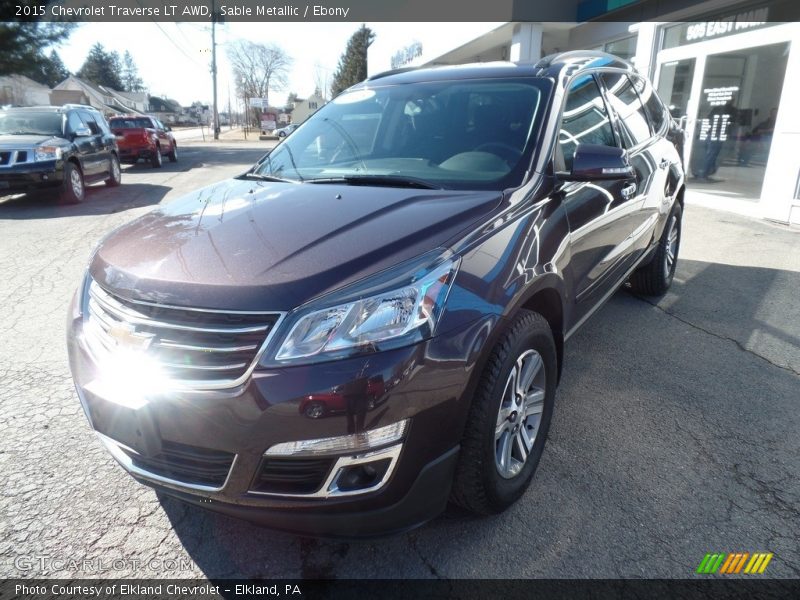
x: 83, y: 132
x: 167, y: 128
x: 595, y: 161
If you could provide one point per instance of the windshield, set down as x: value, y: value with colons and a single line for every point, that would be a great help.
x: 462, y: 134
x: 130, y: 123
x: 30, y: 123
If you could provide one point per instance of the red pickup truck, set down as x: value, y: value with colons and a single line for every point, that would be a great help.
x: 143, y: 137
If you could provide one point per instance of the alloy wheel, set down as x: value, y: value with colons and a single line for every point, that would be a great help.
x: 520, y: 414
x: 672, y: 247
x: 77, y: 183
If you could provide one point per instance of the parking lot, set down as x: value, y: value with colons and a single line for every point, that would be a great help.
x: 675, y: 432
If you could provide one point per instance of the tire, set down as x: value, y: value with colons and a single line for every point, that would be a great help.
x: 315, y: 410
x: 115, y: 171
x: 173, y: 155
x: 654, y: 278
x: 157, y: 160
x: 486, y: 480
x: 282, y: 134
x: 73, y: 190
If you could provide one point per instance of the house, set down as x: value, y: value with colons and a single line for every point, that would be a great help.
x: 23, y: 91
x: 105, y: 99
x: 165, y: 110
x: 302, y: 109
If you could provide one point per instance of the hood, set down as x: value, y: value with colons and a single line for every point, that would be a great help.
x: 251, y: 245
x: 29, y: 141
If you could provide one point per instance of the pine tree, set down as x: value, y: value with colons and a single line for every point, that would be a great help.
x: 53, y: 70
x: 131, y: 82
x: 102, y: 68
x: 353, y: 63
x: 22, y: 46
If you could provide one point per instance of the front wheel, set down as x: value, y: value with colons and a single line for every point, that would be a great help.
x: 654, y: 278
x: 73, y: 190
x: 509, y: 418
x: 173, y: 155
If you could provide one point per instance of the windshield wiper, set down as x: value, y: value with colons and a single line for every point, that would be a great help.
x: 260, y: 177
x: 379, y: 180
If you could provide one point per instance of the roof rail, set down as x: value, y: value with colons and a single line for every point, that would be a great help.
x: 383, y: 74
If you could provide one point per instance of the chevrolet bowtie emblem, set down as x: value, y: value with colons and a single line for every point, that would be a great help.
x: 126, y: 336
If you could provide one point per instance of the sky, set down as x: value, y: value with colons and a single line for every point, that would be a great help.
x: 174, y: 58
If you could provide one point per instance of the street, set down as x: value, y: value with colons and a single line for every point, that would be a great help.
x: 675, y: 432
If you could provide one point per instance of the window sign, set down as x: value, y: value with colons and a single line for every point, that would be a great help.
x: 691, y: 33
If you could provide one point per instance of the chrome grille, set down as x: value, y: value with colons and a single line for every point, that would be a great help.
x: 197, y: 348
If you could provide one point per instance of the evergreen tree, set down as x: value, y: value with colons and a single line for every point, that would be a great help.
x: 53, y: 70
x: 22, y: 46
x: 102, y: 68
x: 353, y: 63
x: 131, y: 82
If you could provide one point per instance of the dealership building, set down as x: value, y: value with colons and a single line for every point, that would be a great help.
x: 729, y: 71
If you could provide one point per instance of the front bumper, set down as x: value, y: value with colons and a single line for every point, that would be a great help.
x: 425, y: 384
x: 32, y: 176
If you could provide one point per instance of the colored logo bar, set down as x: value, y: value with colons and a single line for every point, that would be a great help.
x: 734, y: 562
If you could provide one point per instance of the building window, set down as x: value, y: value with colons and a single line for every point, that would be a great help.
x: 624, y: 48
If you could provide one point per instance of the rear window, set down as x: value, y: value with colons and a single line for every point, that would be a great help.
x: 134, y: 123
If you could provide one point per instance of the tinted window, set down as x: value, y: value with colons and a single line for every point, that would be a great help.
x: 462, y: 134
x: 652, y: 104
x: 585, y: 120
x: 625, y: 102
x: 74, y: 122
x: 130, y: 123
x: 88, y: 118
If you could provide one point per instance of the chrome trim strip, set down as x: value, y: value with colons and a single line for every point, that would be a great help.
x: 200, y: 385
x: 203, y: 367
x: 161, y: 343
x: 121, y: 456
x: 330, y: 489
x: 123, y: 313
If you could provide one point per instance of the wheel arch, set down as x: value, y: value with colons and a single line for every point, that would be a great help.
x: 548, y: 302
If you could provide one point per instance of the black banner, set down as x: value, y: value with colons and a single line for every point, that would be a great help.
x: 734, y: 588
x: 366, y: 10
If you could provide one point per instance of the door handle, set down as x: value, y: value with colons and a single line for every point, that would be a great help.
x: 664, y: 163
x: 629, y: 190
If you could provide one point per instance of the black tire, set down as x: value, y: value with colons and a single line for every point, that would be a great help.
x: 73, y: 190
x: 157, y: 160
x: 478, y: 485
x: 315, y: 410
x: 173, y: 155
x: 115, y: 171
x: 282, y: 134
x: 654, y: 278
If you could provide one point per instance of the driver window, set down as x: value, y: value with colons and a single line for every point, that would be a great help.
x: 584, y: 121
x: 74, y: 122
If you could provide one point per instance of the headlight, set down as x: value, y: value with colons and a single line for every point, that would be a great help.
x: 404, y: 315
x: 47, y: 153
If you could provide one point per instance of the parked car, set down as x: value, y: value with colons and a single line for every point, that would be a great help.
x: 56, y: 148
x: 143, y: 137
x: 446, y: 230
x: 341, y: 399
x: 284, y: 131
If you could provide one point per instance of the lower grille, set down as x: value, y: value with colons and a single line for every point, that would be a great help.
x: 187, y: 464
x: 196, y: 348
x: 291, y: 475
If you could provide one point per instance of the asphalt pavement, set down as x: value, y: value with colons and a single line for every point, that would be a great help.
x: 675, y: 432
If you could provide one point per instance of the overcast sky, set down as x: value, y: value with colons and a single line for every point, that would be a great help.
x: 174, y: 59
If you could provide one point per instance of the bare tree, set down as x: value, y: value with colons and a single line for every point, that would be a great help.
x: 258, y: 68
x: 321, y: 83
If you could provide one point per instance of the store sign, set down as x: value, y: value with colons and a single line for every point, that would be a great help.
x: 690, y: 33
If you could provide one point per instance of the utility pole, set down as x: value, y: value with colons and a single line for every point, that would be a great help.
x: 214, y: 66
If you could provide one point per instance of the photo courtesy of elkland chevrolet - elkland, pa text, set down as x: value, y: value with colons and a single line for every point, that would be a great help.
x: 424, y: 299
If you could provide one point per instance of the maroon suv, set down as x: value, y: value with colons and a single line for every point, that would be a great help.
x: 371, y: 320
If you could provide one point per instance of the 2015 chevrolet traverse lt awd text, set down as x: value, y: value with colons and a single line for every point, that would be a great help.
x: 371, y: 320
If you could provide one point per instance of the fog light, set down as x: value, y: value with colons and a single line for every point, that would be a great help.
x: 363, y: 476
